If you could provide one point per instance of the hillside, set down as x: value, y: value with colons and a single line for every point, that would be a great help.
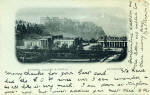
x: 70, y: 28
x: 67, y: 28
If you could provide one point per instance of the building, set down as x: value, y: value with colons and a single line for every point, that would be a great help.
x: 20, y: 44
x: 67, y: 41
x: 45, y: 20
x: 57, y: 37
x: 113, y: 42
x: 38, y: 43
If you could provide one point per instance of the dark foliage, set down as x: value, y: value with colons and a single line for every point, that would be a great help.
x: 25, y: 29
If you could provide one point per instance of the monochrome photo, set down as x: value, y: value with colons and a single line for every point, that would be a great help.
x: 71, y: 35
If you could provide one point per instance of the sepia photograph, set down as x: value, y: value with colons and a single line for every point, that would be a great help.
x: 71, y: 35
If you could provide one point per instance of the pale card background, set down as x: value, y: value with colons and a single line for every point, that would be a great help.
x: 8, y: 59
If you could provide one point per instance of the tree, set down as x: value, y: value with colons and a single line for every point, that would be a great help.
x: 72, y: 47
x: 93, y: 40
x: 64, y: 46
x: 78, y: 43
x: 56, y: 45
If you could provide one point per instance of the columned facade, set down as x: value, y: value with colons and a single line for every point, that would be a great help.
x: 113, y: 44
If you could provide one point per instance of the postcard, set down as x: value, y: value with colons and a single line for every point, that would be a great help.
x: 74, y: 47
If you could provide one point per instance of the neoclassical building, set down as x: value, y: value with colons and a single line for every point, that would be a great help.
x: 113, y: 42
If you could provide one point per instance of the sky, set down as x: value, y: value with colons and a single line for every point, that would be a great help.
x: 112, y: 20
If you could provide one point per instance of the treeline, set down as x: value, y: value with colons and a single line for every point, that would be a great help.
x: 24, y: 29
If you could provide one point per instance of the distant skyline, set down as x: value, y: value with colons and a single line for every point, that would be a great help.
x: 112, y: 20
